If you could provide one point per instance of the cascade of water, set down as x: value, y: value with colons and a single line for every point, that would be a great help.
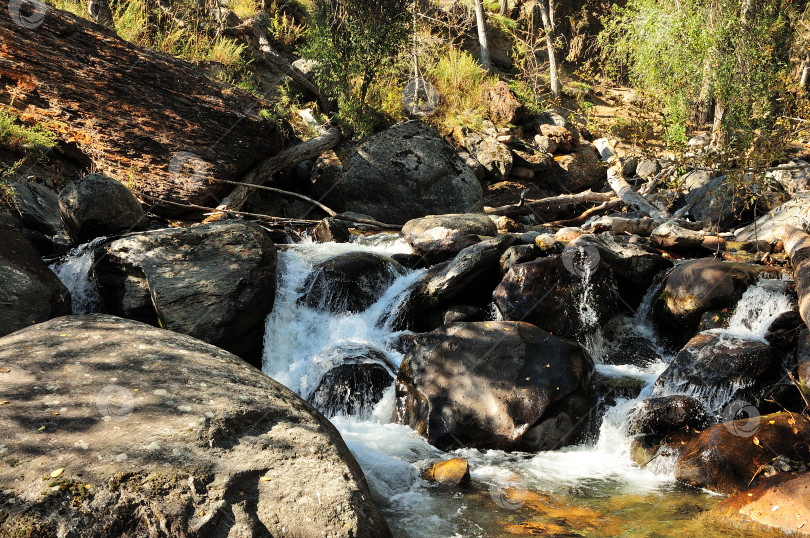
x: 75, y: 272
x: 759, y: 306
x: 593, y: 338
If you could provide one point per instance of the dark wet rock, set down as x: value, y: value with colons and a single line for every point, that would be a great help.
x: 38, y: 207
x: 727, y: 458
x: 29, y: 291
x: 331, y: 230
x: 656, y: 418
x: 781, y: 503
x: 505, y: 385
x: 457, y: 313
x: 349, y: 282
x: 548, y: 293
x: 635, y: 267
x: 720, y: 369
x: 355, y: 385
x: 160, y: 434
x: 519, y: 254
x: 406, y: 172
x: 440, y: 237
x: 462, y: 273
x: 215, y: 282
x: 698, y: 286
x: 715, y: 320
x: 97, y: 206
x: 783, y: 333
x: 630, y: 349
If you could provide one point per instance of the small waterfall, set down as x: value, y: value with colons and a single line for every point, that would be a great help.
x: 758, y: 308
x: 585, y: 262
x: 75, y: 272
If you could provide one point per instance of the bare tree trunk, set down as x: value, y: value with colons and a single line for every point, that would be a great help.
x: 719, y: 131
x: 805, y: 80
x: 482, y: 33
x: 547, y: 13
x: 504, y: 8
x: 704, y: 103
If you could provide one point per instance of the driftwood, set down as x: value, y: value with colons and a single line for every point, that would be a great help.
x: 613, y: 203
x: 147, y: 119
x: 553, y: 202
x: 263, y: 173
x: 630, y: 197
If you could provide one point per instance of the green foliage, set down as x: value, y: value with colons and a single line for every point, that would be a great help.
x: 21, y: 138
x: 684, y: 52
x: 356, y: 43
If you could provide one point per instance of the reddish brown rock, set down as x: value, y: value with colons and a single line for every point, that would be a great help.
x: 504, y: 107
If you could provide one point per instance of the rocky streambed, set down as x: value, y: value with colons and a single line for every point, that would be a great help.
x: 585, y: 382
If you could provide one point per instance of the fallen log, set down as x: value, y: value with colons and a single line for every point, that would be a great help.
x: 553, y: 202
x: 263, y: 173
x: 630, y: 197
x: 145, y: 118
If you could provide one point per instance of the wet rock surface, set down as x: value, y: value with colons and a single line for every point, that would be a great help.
x: 113, y: 427
x: 506, y: 385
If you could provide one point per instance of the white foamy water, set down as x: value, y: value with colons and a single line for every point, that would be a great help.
x: 75, y: 272
x: 758, y: 308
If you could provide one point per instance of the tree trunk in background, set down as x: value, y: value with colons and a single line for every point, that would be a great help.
x: 805, y: 79
x: 719, y: 131
x: 547, y: 14
x: 504, y: 12
x: 703, y: 106
x: 482, y: 33
x: 147, y: 119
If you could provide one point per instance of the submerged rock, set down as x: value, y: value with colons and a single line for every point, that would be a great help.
x: 350, y: 282
x: 781, y: 503
x: 505, y: 385
x: 728, y: 457
x: 331, y: 230
x: 29, y: 291
x: 214, y: 282
x: 98, y: 205
x: 406, y: 172
x: 355, y: 385
x: 454, y: 472
x: 145, y: 432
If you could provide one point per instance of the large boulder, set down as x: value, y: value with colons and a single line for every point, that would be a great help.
x: 349, y: 282
x: 718, y: 369
x: 504, y: 385
x: 38, y: 207
x: 579, y: 170
x: 550, y: 293
x: 98, y: 205
x: 634, y: 266
x: 699, y: 286
x: 781, y: 503
x: 214, y: 282
x: 729, y: 457
x: 29, y: 291
x: 406, y: 172
x: 493, y: 155
x: 116, y: 428
x: 440, y: 237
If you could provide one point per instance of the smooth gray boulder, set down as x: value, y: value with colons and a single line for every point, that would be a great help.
x: 98, y: 205
x: 406, y: 172
x: 215, y: 282
x: 440, y: 237
x: 116, y: 428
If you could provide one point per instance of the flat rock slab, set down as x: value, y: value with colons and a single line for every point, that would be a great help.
x: 112, y: 427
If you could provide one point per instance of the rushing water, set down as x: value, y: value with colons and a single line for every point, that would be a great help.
x: 588, y: 490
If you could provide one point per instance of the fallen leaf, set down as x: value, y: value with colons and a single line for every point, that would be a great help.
x: 40, y: 428
x: 265, y: 479
x: 5, y: 370
x: 756, y: 440
x: 57, y: 473
x: 4, y: 402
